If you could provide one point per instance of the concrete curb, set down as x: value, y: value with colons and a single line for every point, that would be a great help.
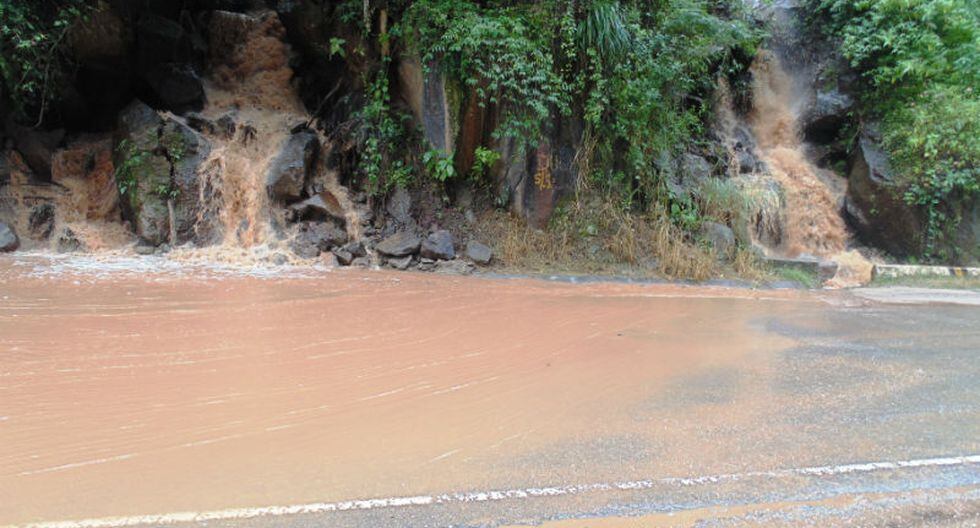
x: 901, y: 270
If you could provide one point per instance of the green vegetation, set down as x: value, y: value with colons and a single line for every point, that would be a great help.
x: 934, y: 281
x: 920, y: 60
x: 131, y: 160
x: 627, y: 83
x: 34, y: 66
x: 803, y: 277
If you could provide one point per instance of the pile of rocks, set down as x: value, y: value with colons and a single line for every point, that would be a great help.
x: 404, y: 250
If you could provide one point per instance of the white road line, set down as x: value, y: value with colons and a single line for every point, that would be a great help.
x: 496, y: 495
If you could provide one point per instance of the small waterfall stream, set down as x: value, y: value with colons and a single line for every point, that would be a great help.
x: 805, y: 220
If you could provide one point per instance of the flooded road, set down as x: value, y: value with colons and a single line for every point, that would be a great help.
x: 132, y: 394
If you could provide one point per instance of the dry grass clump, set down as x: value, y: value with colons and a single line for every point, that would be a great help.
x: 599, y: 237
x: 748, y: 265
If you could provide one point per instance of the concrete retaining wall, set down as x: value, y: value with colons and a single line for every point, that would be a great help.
x: 899, y: 270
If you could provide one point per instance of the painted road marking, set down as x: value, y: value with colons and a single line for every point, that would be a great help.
x: 495, y: 495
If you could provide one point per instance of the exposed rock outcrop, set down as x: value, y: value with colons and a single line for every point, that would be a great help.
x: 400, y: 244
x: 438, y: 246
x: 874, y: 207
x: 291, y: 169
x: 8, y: 239
x: 312, y: 238
x: 426, y: 92
x: 157, y: 163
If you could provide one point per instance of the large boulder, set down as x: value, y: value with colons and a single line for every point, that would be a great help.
x: 692, y: 171
x: 479, y: 252
x: 176, y: 87
x: 165, y: 57
x: 874, y: 206
x: 290, y: 170
x: 438, y: 246
x: 824, y: 118
x: 8, y: 239
x: 187, y: 151
x: 721, y: 238
x: 400, y: 244
x: 322, y: 206
x: 141, y: 171
x: 399, y: 206
x: 313, y: 238
x: 157, y: 162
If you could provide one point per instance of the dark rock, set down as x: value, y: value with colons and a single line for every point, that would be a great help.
x: 176, y: 87
x: 748, y: 163
x: 320, y: 207
x: 439, y: 246
x: 874, y: 206
x: 721, y: 238
x: 344, y: 257
x: 355, y: 248
x: 304, y: 250
x: 455, y: 267
x: 824, y: 119
x: 140, y: 125
x: 160, y: 40
x: 401, y: 263
x: 8, y: 239
x: 478, y: 252
x: 291, y: 169
x: 163, y: 158
x: 329, y: 260
x: 399, y: 206
x: 137, y: 148
x: 314, y: 237
x: 99, y: 38
x: 226, y: 126
x: 361, y: 262
x: 40, y: 220
x: 249, y: 133
x: 186, y: 151
x: 201, y: 124
x: 36, y: 147
x: 695, y: 169
x: 400, y: 244
x: 68, y: 242
x: 424, y: 90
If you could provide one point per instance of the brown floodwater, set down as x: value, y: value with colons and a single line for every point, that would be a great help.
x: 152, y: 392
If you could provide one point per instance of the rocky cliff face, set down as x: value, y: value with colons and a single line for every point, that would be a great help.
x: 177, y: 88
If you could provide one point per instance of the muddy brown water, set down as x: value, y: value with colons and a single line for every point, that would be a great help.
x: 134, y: 394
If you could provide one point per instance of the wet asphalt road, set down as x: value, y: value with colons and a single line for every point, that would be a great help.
x: 902, y: 380
x: 694, y: 407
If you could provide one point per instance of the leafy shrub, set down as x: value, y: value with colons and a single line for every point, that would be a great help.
x: 33, y: 62
x: 920, y: 60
